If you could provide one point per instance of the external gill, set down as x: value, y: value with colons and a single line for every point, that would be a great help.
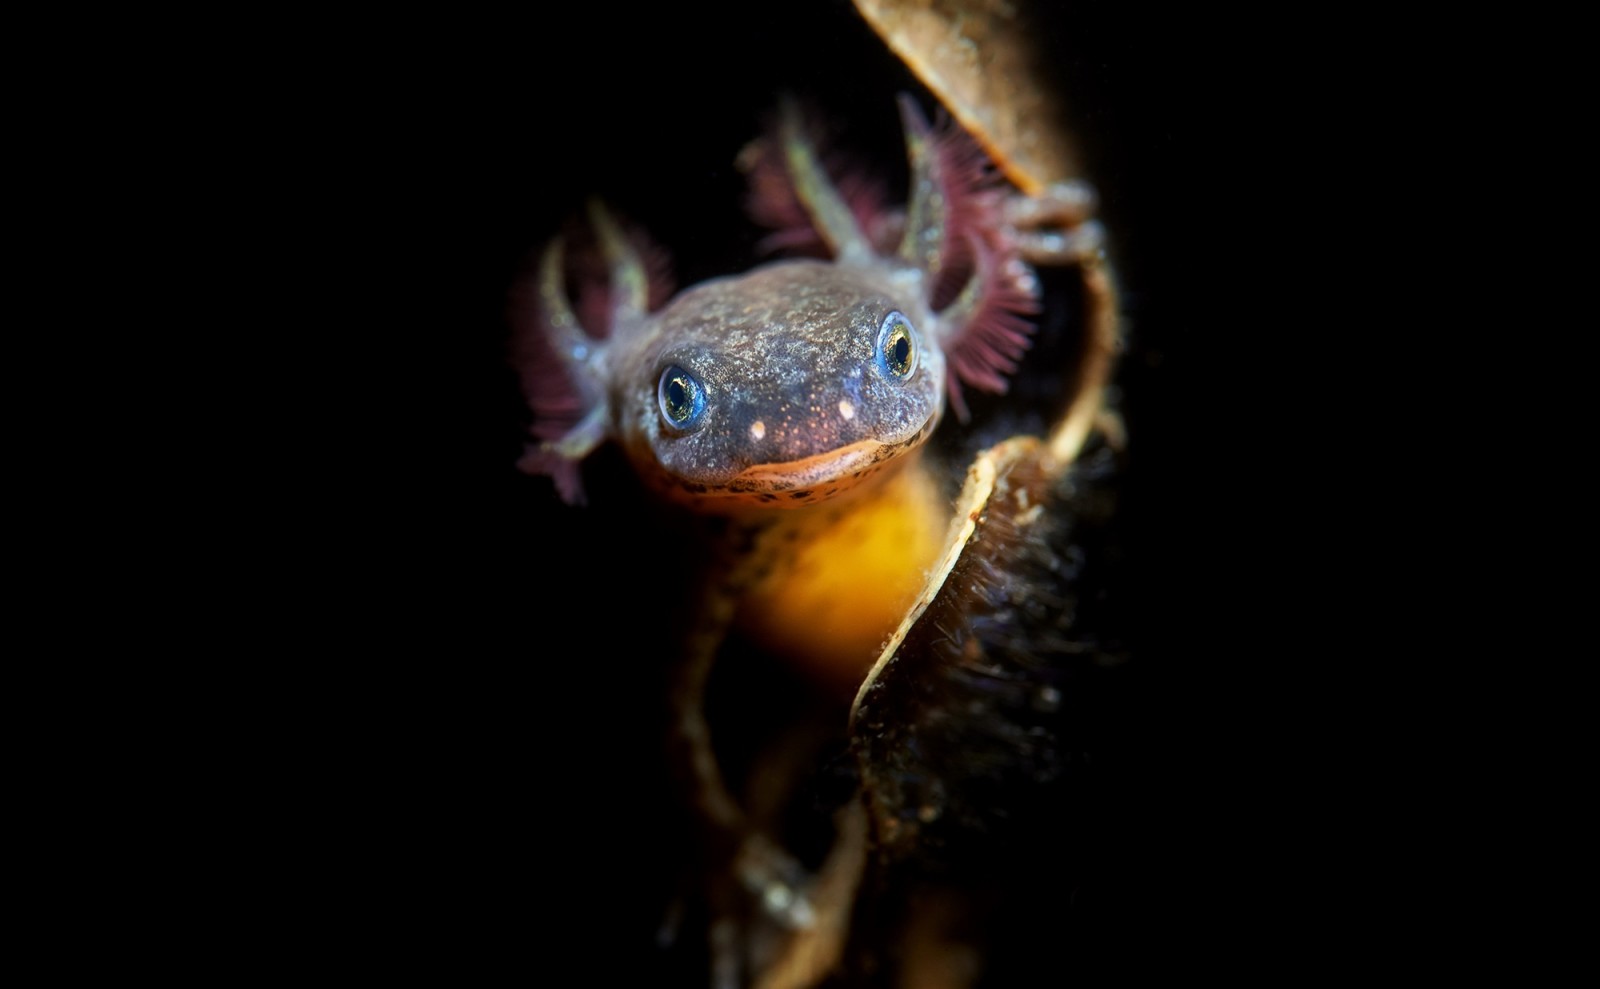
x: 956, y: 234
x: 580, y: 354
x: 826, y: 208
x: 997, y: 299
x: 630, y: 292
x: 577, y: 353
x: 923, y: 244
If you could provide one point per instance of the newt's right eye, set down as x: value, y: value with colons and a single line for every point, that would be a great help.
x: 682, y: 399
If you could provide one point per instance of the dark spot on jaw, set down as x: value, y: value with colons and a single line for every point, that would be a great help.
x: 797, y: 495
x: 765, y: 496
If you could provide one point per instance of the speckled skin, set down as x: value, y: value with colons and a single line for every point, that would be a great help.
x: 798, y: 406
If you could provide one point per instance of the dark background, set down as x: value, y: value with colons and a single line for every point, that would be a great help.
x: 500, y: 766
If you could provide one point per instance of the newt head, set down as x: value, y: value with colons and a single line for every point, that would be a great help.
x: 781, y: 387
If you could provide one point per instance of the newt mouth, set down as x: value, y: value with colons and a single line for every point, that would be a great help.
x: 845, y: 464
x: 795, y: 483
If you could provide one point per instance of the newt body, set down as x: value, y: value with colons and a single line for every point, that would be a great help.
x: 795, y: 397
x: 795, y: 401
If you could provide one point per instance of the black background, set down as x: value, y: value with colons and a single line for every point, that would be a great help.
x: 492, y: 785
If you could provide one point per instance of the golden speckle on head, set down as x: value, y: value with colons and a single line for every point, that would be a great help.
x: 758, y: 429
x: 847, y: 409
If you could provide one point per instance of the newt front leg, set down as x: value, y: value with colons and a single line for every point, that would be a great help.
x: 1057, y: 227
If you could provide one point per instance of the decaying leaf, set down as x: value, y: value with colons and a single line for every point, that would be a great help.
x: 978, y: 57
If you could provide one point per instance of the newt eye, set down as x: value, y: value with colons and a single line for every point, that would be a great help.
x: 682, y: 398
x: 897, y: 346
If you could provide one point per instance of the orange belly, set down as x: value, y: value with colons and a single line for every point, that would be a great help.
x: 842, y: 576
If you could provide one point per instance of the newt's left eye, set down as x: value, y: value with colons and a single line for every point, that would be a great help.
x: 682, y: 398
x: 897, y: 345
